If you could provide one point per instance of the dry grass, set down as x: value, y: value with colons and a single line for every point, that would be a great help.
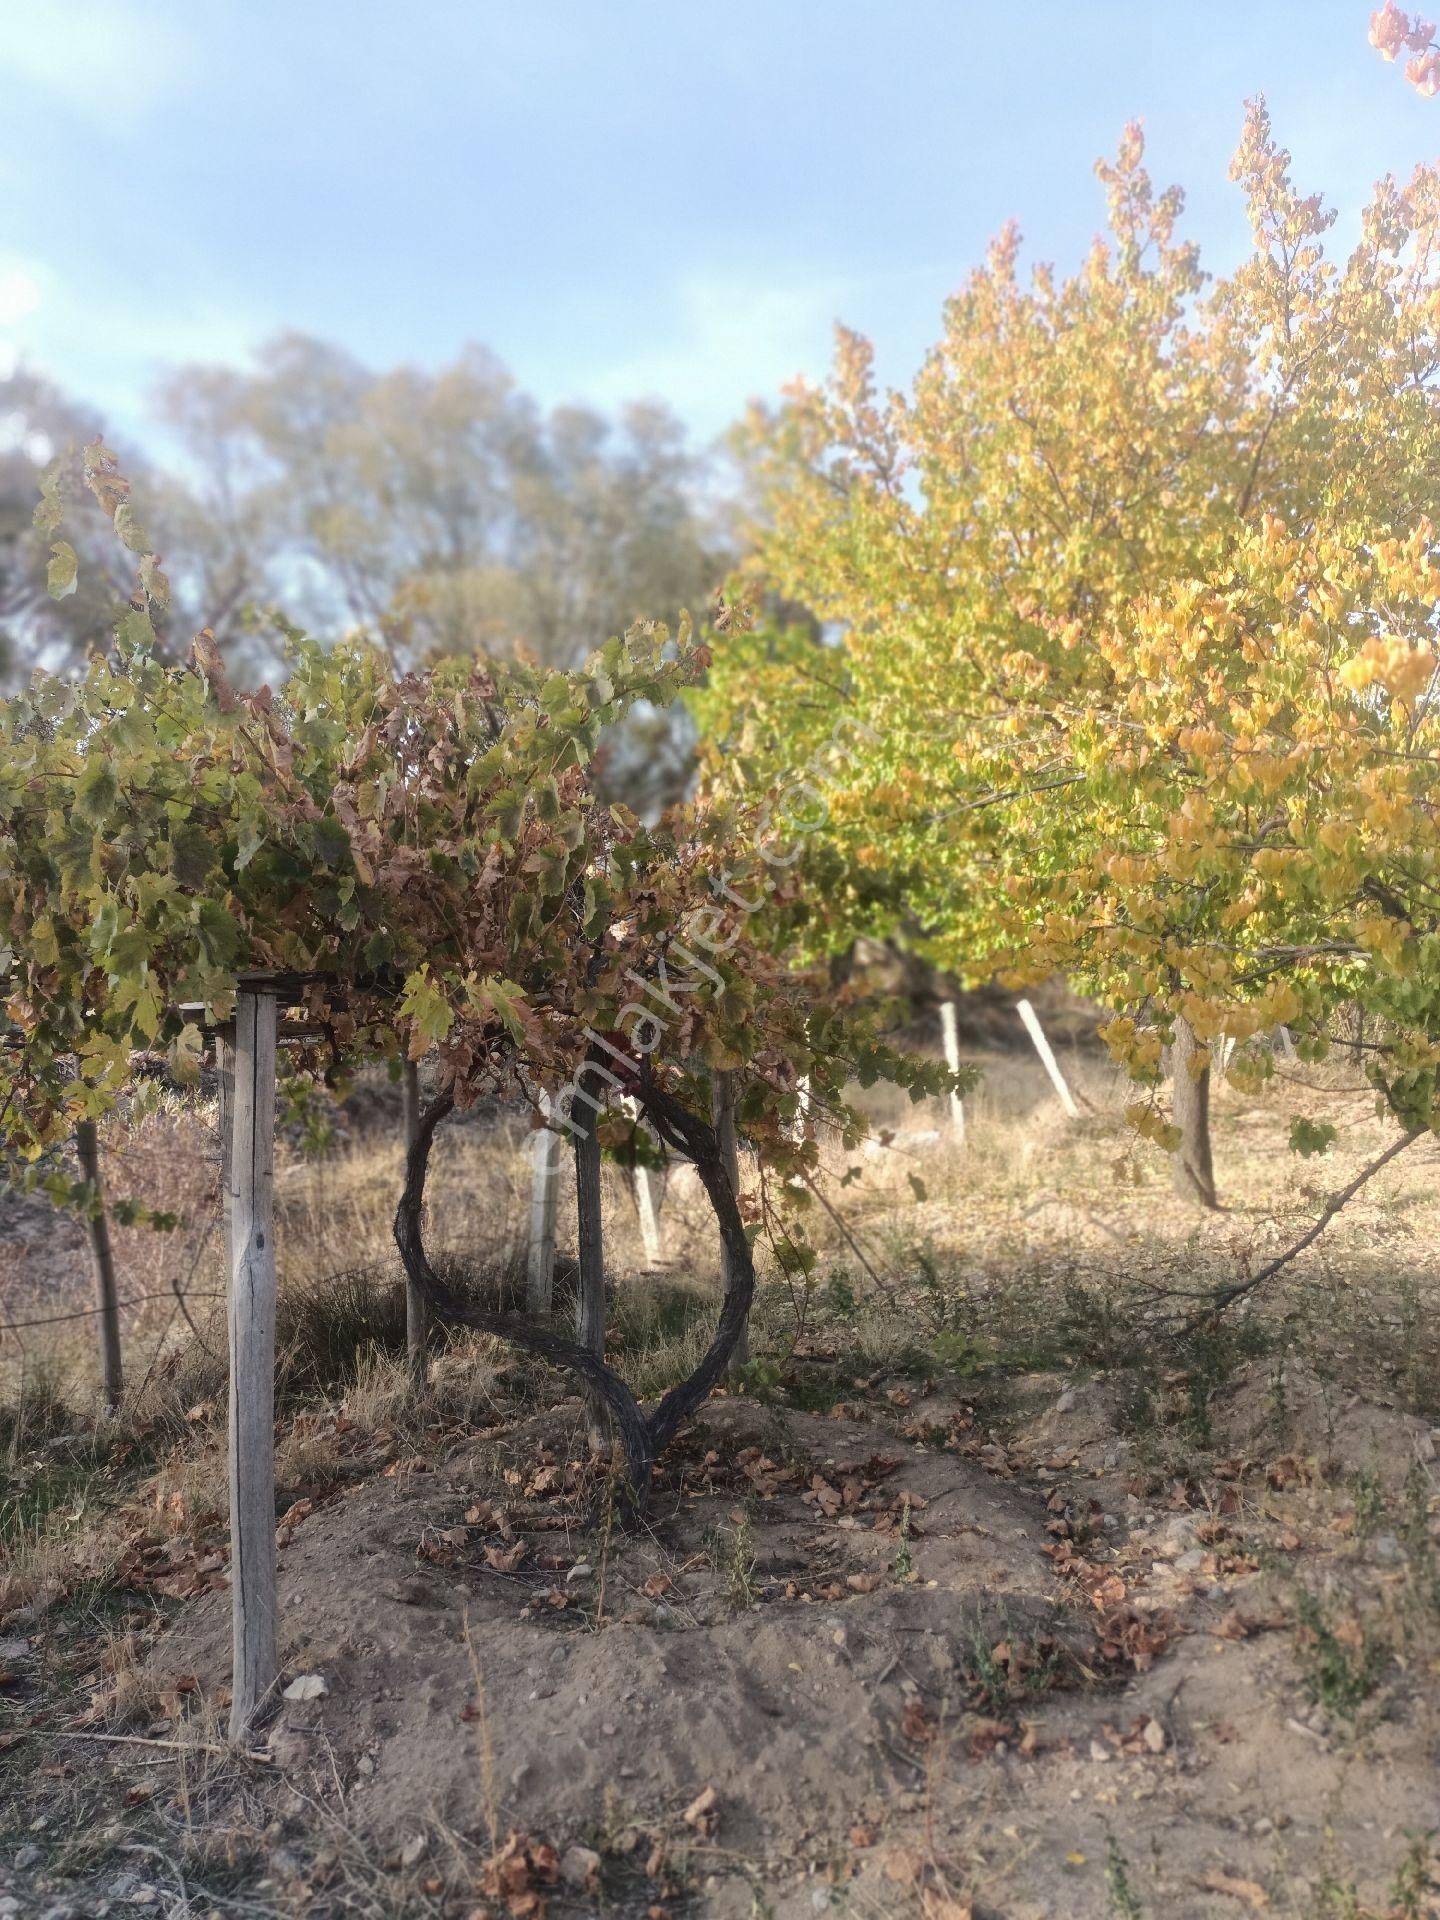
x: 1046, y: 1247
x: 1044, y: 1243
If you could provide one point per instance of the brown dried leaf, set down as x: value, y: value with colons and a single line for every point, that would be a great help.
x: 1215, y: 1880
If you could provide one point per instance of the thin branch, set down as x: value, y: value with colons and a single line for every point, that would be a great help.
x: 1227, y: 1296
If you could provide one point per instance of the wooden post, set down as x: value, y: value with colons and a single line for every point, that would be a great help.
x: 722, y: 1110
x: 87, y: 1145
x: 1047, y: 1058
x: 590, y: 1299
x: 950, y: 1036
x: 252, y: 1360
x: 417, y: 1325
x: 647, y: 1205
x: 544, y: 1182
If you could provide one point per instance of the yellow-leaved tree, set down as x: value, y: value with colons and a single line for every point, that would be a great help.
x: 1133, y: 597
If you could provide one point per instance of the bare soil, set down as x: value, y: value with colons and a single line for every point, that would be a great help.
x: 914, y: 1657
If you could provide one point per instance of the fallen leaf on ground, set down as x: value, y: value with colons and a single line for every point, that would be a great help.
x: 700, y: 1813
x: 1217, y: 1881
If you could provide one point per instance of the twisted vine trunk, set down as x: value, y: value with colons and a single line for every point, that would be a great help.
x: 416, y: 1331
x: 642, y: 1436
x: 1194, y: 1171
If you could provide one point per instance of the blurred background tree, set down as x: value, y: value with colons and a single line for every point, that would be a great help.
x: 440, y: 512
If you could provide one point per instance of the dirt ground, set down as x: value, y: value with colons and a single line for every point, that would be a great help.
x: 913, y: 1661
x: 1012, y: 1621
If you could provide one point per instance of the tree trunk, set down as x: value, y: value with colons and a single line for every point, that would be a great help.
x: 1194, y: 1172
x: 722, y: 1108
x: 417, y: 1323
x: 642, y: 1438
x: 590, y: 1299
x: 87, y: 1145
x: 453, y: 1310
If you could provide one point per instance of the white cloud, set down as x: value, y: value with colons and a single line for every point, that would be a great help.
x: 730, y: 341
x: 19, y: 294
x: 94, y: 54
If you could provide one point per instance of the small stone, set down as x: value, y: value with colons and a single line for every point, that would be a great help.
x: 1099, y: 1753
x: 1262, y: 1826
x: 413, y: 1850
x: 1154, y: 1736
x: 1192, y: 1561
x: 288, y: 1747
x: 28, y: 1856
x: 1066, y: 1402
x: 581, y: 1570
x: 1386, y: 1547
x: 307, y: 1686
x: 365, y: 1766
x: 579, y: 1866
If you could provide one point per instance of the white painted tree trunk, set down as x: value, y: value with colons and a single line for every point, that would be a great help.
x: 950, y: 1037
x: 1051, y: 1065
x: 722, y: 1110
x: 545, y: 1145
x: 647, y: 1206
x: 252, y: 1360
x: 417, y: 1327
x: 648, y: 1192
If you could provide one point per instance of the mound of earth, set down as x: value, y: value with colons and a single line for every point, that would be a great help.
x: 884, y: 1662
x: 763, y: 1636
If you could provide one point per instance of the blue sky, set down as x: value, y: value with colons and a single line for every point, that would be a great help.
x: 623, y: 199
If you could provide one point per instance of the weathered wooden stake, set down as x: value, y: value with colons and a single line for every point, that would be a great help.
x: 1047, y: 1058
x: 544, y: 1185
x: 590, y: 1299
x: 87, y: 1145
x: 252, y: 1360
x: 651, y: 1237
x: 722, y: 1111
x: 647, y: 1205
x: 950, y: 1037
x: 417, y: 1321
